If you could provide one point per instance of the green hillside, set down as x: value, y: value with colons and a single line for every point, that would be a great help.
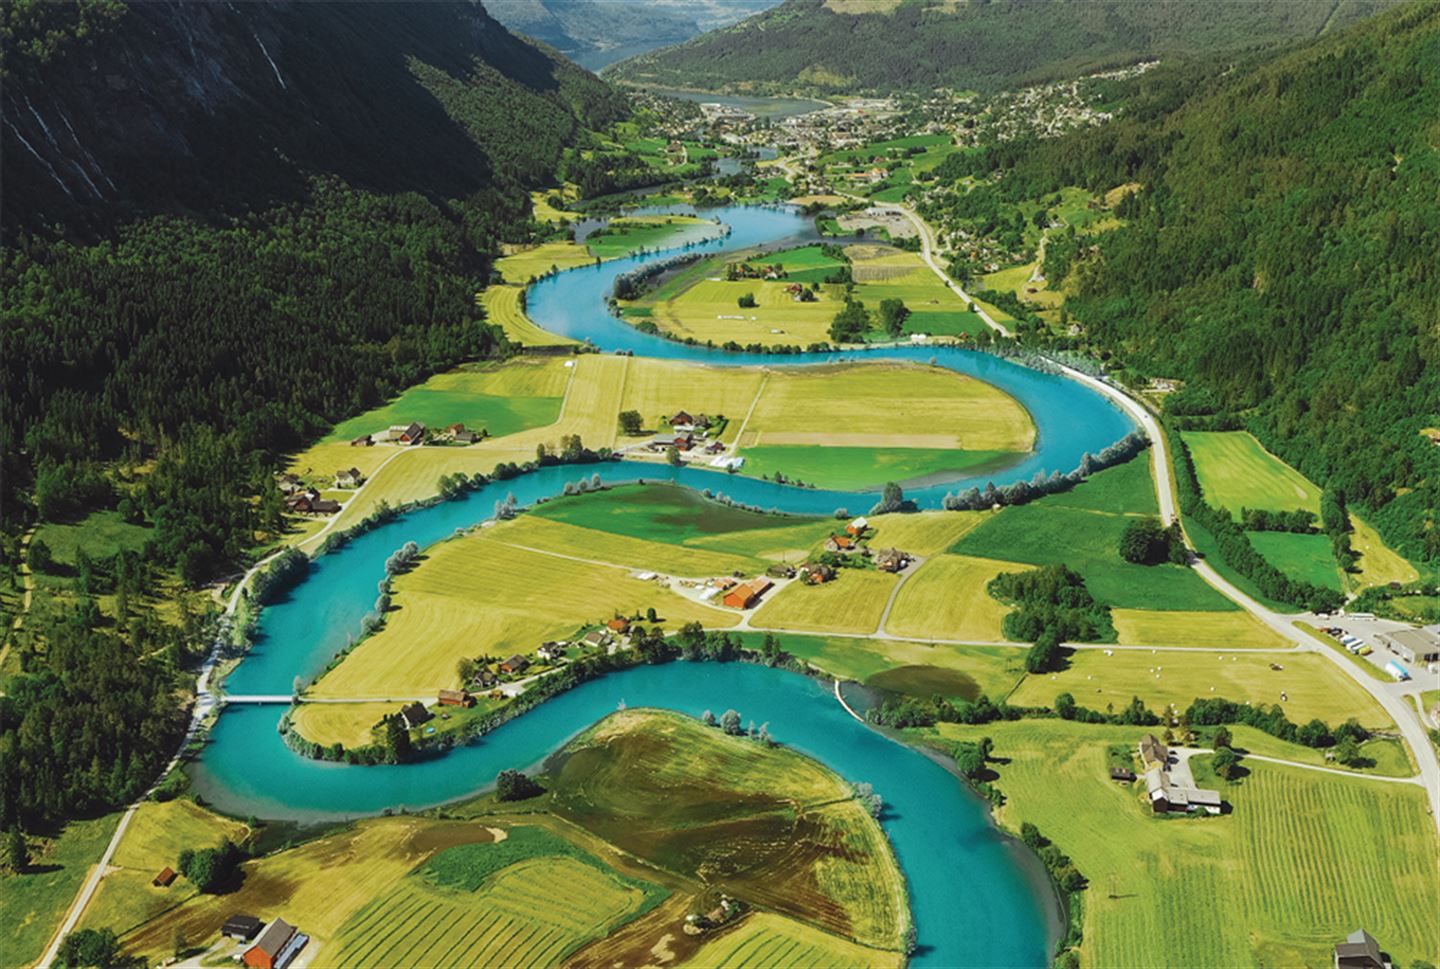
x: 843, y: 46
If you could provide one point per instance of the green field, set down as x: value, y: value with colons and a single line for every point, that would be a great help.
x: 857, y: 468
x: 628, y: 234
x: 32, y: 905
x: 1126, y: 489
x: 101, y: 534
x: 767, y: 941
x: 1046, y: 531
x: 661, y: 513
x: 539, y: 901
x: 946, y: 599
x: 852, y: 602
x: 806, y: 264
x: 1236, y: 472
x: 500, y: 399
x: 1304, y: 557
x: 1304, y: 858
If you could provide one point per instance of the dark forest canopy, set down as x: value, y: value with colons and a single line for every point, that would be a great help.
x: 1281, y: 255
x: 843, y: 46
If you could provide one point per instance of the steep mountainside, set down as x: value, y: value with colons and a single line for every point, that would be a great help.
x: 1282, y: 257
x: 114, y: 110
x: 228, y: 225
x: 594, y: 33
x: 843, y: 45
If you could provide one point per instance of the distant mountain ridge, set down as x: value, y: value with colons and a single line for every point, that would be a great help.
x: 841, y: 46
x: 112, y: 111
x: 595, y: 33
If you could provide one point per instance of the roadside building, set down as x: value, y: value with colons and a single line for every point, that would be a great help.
x: 1165, y: 797
x: 595, y: 639
x: 456, y: 698
x: 1414, y: 645
x: 465, y: 436
x: 1153, y: 754
x: 364, y: 440
x: 268, y: 947
x: 858, y: 527
x: 515, y: 664
x: 550, y: 652
x: 891, y: 560
x: 349, y: 478
x: 241, y: 928
x: 747, y: 594
x: 412, y: 433
x: 414, y: 714
x: 324, y: 506
x: 1360, y: 951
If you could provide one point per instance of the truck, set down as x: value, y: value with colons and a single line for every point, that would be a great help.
x: 1397, y: 671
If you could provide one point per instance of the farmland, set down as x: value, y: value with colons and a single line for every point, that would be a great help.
x: 502, y: 305
x: 1236, y: 472
x: 851, y: 603
x: 764, y: 939
x: 524, y: 265
x: 1210, y: 630
x: 1302, y: 860
x: 33, y: 904
x: 627, y: 234
x: 1314, y: 689
x: 1304, y: 557
x: 946, y: 599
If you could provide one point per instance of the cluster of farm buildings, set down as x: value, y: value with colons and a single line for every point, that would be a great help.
x: 407, y: 435
x: 690, y: 435
x: 1166, y: 788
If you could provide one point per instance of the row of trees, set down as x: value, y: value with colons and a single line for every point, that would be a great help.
x: 1020, y: 492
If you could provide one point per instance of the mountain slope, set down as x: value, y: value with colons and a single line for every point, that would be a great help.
x: 594, y: 33
x: 1282, y: 258
x: 839, y: 46
x: 221, y: 107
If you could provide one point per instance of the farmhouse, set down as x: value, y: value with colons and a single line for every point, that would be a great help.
x: 550, y: 652
x: 595, y: 639
x: 412, y: 433
x: 349, y: 478
x: 464, y: 436
x: 818, y: 572
x: 456, y: 698
x: 681, y: 419
x: 165, y: 879
x: 892, y: 560
x: 324, y: 506
x: 1360, y: 951
x: 746, y: 594
x: 619, y: 624
x: 414, y: 714
x: 1122, y: 774
x: 1153, y: 754
x: 1414, y: 645
x: 289, y: 484
x: 242, y: 928
x: 1165, y: 797
x: 858, y: 527
x: 839, y: 543
x: 364, y: 440
x: 781, y: 571
x: 515, y: 664
x: 275, y: 947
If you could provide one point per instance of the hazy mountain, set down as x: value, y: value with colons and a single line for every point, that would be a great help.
x: 836, y: 46
x: 594, y: 33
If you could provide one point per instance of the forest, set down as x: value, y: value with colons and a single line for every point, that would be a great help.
x: 1279, y: 256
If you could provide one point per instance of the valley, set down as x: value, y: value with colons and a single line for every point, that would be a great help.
x: 732, y: 529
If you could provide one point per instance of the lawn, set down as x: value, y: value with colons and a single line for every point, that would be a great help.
x: 682, y: 796
x: 475, y: 595
x: 991, y: 670
x: 101, y: 534
x: 1236, y: 472
x: 767, y: 941
x: 850, y: 603
x: 946, y: 599
x: 156, y: 836
x: 500, y: 398
x: 502, y: 307
x: 1314, y: 688
x: 1304, y: 858
x: 1208, y: 630
x: 32, y: 905
x: 1304, y: 557
x: 858, y: 468
x: 318, y: 886
x: 1086, y: 541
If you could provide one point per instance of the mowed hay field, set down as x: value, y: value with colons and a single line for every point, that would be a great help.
x: 946, y: 599
x: 852, y: 602
x: 709, y: 310
x: 1305, y: 557
x: 316, y: 886
x: 342, y: 723
x: 523, y: 265
x: 1208, y: 630
x: 1312, y: 685
x: 660, y: 388
x: 154, y: 839
x: 531, y: 913
x: 923, y: 533
x: 1304, y: 858
x: 992, y: 670
x: 477, y: 595
x: 763, y: 940
x: 1236, y: 472
x: 502, y: 307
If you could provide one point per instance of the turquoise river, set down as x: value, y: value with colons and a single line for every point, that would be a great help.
x: 975, y: 900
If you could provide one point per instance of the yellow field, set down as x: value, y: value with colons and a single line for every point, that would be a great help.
x: 531, y: 913
x: 659, y: 388
x: 476, y: 595
x: 923, y: 533
x: 1378, y: 564
x: 707, y: 309
x: 859, y: 406
x: 520, y: 267
x: 852, y: 603
x: 1315, y: 689
x: 316, y: 886
x: 344, y: 723
x: 1212, y: 630
x: 763, y: 940
x: 502, y: 307
x: 414, y: 475
x: 544, y: 211
x: 946, y: 599
x: 1303, y: 860
x: 156, y: 836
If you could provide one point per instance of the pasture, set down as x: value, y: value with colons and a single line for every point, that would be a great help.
x: 681, y: 796
x: 1303, y: 859
x: 1126, y: 489
x: 502, y: 308
x: 946, y: 599
x: 763, y: 939
x: 1314, y: 689
x: 524, y: 265
x: 101, y: 534
x: 709, y: 310
x: 852, y: 602
x: 923, y: 533
x: 1305, y: 557
x: 631, y: 233
x: 1236, y: 472
x: 856, y: 468
x: 806, y: 264
x: 32, y: 905
x: 1236, y: 629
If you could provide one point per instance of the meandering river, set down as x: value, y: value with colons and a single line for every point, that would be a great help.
x: 975, y: 902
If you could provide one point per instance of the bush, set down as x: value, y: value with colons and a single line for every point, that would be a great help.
x: 511, y: 785
x: 1146, y: 541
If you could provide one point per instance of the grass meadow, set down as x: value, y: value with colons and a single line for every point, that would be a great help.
x: 857, y: 468
x: 852, y: 602
x: 1303, y: 859
x: 1236, y: 472
x: 1235, y: 629
x: 520, y: 267
x: 32, y: 905
x: 946, y: 599
x: 763, y: 939
x: 1305, y: 557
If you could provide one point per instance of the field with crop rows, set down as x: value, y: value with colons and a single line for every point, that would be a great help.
x: 852, y: 602
x: 767, y: 941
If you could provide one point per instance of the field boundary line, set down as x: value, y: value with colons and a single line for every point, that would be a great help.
x: 1413, y: 779
x: 740, y: 434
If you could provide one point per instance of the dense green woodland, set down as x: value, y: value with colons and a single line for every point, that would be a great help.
x: 1281, y: 256
x: 804, y: 45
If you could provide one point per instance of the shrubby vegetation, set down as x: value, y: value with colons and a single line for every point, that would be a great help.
x: 1020, y: 492
x: 1214, y: 711
x: 1052, y: 607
